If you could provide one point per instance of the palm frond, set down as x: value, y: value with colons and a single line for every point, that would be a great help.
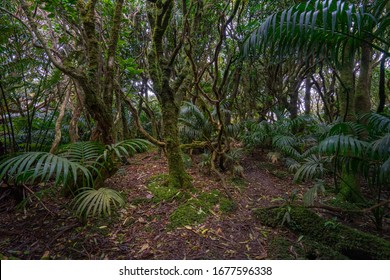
x: 348, y: 128
x: 379, y: 123
x: 320, y: 28
x: 43, y: 166
x: 292, y: 164
x: 313, y: 167
x: 381, y: 147
x: 125, y: 148
x: 97, y: 202
x: 343, y: 145
x: 194, y: 124
x: 84, y: 153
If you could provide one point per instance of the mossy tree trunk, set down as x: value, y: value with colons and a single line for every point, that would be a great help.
x: 170, y: 86
x: 95, y: 72
x: 349, y: 188
x: 178, y: 176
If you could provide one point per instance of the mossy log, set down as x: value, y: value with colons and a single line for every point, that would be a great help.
x: 349, y: 242
x: 194, y: 145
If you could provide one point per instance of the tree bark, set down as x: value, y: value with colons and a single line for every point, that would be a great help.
x: 347, y: 90
x: 57, y: 138
x: 382, y: 94
x: 97, y: 75
x: 170, y: 94
x: 308, y: 85
x: 362, y: 97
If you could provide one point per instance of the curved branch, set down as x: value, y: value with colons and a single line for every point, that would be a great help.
x: 138, y: 122
x: 34, y: 31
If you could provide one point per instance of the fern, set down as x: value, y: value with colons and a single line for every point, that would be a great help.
x: 348, y: 128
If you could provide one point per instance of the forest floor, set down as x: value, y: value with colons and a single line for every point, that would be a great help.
x: 141, y: 230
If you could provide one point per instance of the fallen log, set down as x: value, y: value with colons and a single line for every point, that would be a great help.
x: 349, y: 242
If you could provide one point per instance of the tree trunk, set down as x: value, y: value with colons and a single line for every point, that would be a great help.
x: 57, y: 138
x: 349, y: 188
x: 308, y: 85
x: 169, y: 88
x: 362, y: 97
x: 73, y: 128
x: 178, y: 176
x: 382, y: 94
x: 347, y: 91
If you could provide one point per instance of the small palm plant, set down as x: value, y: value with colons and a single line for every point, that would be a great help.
x: 79, y: 167
x: 197, y: 125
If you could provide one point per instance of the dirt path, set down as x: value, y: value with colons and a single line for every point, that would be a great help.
x: 140, y: 229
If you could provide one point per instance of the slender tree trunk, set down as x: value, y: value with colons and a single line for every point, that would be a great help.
x: 57, y: 138
x: 382, y: 94
x: 73, y: 128
x: 308, y: 85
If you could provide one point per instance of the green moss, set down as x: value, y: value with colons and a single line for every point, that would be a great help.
x: 281, y: 248
x: 179, y: 180
x: 196, y: 209
x: 210, y: 198
x: 188, y: 214
x: 227, y: 205
x: 346, y: 241
x: 187, y: 160
x: 238, y: 182
x: 160, y: 190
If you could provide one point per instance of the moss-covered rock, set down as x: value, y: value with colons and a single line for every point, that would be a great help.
x: 281, y: 248
x: 347, y: 241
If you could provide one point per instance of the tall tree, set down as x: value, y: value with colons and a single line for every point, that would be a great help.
x: 77, y: 46
x: 169, y: 82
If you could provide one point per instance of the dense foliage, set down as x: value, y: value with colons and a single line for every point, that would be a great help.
x: 84, y: 85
